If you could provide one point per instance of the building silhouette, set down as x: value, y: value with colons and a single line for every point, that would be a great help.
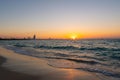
x: 34, y: 37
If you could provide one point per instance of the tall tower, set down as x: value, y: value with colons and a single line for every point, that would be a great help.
x: 34, y: 36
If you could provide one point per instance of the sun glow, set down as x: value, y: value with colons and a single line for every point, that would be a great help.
x: 73, y: 37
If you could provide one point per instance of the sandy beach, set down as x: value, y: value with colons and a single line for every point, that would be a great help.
x: 21, y: 67
x: 6, y: 74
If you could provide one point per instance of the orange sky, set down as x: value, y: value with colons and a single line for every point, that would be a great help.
x: 60, y: 18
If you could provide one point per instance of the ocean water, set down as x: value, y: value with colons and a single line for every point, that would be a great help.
x: 96, y: 56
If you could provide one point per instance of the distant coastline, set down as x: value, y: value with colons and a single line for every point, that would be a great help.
x: 16, y: 39
x: 58, y: 39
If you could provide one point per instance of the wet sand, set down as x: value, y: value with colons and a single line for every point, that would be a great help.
x: 6, y: 74
x: 14, y: 66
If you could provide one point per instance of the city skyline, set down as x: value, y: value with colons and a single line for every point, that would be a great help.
x: 60, y: 19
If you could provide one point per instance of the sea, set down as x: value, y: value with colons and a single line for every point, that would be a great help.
x: 100, y: 56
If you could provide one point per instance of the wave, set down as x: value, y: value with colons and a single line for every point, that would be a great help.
x: 84, y: 61
x: 90, y: 62
x: 78, y: 48
x: 69, y: 47
x: 115, y: 56
x: 20, y: 45
x: 104, y: 72
x: 91, y: 69
x: 57, y: 47
x: 95, y: 58
x: 101, y: 49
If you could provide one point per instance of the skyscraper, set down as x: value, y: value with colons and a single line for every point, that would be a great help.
x: 34, y: 36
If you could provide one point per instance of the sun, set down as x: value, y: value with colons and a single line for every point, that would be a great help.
x: 73, y: 37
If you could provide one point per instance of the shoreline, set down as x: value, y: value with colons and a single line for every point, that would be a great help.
x: 23, y: 67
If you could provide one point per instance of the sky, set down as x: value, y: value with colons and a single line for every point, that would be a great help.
x: 60, y: 18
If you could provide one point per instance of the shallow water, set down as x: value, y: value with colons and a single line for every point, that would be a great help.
x: 98, y: 56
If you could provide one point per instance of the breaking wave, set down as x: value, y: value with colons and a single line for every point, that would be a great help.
x: 78, y: 48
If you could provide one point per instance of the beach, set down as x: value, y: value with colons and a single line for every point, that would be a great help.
x: 21, y: 67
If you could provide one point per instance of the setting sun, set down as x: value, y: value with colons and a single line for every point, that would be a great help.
x: 73, y: 37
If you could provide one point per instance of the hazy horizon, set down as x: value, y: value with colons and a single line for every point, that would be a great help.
x: 60, y: 19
